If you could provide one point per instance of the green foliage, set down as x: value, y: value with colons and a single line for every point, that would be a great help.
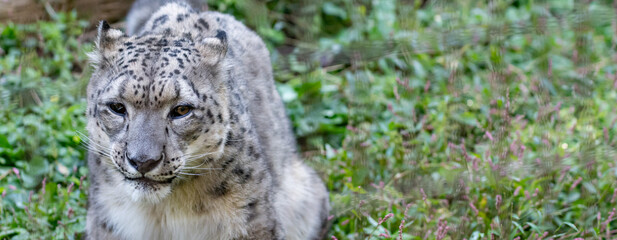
x: 41, y: 110
x: 428, y: 119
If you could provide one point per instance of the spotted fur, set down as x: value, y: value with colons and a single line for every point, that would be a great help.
x: 228, y: 169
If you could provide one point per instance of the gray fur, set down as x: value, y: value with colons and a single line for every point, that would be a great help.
x: 226, y: 170
x: 142, y: 10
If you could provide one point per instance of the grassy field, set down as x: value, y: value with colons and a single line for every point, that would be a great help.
x: 438, y: 120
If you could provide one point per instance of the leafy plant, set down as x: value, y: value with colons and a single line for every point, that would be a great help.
x: 427, y: 119
x: 42, y: 162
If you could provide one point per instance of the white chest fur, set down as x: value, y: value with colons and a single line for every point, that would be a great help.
x: 171, y: 218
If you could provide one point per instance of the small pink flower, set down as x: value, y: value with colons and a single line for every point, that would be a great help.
x: 543, y: 236
x: 406, y: 209
x: 351, y: 128
x: 70, y: 212
x: 423, y: 196
x: 16, y: 171
x: 576, y: 183
x: 473, y: 207
x: 518, y: 189
x: 400, y: 229
x: 70, y: 188
x: 395, y: 90
x: 489, y: 135
x: 12, y: 187
x: 389, y: 215
x: 610, y: 217
x: 442, y: 229
x: 81, y: 181
x: 44, y: 182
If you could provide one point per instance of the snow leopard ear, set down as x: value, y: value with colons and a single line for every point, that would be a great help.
x: 213, y: 49
x: 105, y: 44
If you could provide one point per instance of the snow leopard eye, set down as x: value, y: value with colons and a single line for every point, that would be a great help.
x: 117, y: 108
x: 180, y: 111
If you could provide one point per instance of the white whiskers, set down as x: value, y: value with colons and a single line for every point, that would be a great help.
x: 188, y: 170
x: 94, y: 146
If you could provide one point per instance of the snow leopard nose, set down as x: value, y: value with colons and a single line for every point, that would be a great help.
x: 143, y: 163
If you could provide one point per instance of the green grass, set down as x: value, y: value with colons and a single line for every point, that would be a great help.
x: 436, y: 121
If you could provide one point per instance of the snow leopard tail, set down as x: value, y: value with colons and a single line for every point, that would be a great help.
x: 142, y: 10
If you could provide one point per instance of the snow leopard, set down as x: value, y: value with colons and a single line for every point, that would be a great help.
x: 189, y: 138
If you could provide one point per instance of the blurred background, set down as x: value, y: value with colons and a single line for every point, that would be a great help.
x: 427, y: 119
